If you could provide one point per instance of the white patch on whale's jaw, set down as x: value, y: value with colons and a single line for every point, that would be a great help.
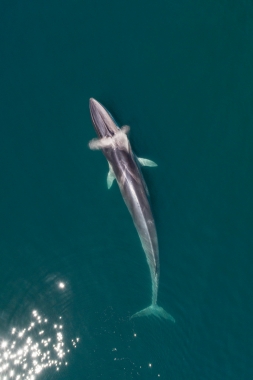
x: 125, y: 129
x: 119, y: 141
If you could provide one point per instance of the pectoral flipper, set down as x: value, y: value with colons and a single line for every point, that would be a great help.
x: 146, y: 162
x: 110, y: 177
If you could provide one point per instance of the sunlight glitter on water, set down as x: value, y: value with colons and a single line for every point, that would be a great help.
x: 33, y: 349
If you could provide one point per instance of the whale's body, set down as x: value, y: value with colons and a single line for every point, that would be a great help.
x: 124, y: 166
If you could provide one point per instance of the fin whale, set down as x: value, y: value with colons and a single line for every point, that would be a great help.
x: 124, y: 166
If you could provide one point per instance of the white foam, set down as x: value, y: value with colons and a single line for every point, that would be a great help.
x: 119, y: 140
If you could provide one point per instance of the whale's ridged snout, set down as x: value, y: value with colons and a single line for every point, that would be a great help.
x: 103, y: 122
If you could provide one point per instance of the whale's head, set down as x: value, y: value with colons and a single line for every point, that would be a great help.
x: 109, y: 134
x: 104, y: 124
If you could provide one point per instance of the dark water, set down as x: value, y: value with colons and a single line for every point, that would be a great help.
x: 180, y: 73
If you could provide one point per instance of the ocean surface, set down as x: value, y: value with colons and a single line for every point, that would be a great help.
x: 72, y: 269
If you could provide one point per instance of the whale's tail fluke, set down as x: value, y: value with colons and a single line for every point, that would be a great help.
x: 156, y: 311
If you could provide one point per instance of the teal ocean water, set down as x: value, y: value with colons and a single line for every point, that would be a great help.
x: 72, y: 270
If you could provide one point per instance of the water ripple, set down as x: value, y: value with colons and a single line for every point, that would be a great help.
x: 28, y: 351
